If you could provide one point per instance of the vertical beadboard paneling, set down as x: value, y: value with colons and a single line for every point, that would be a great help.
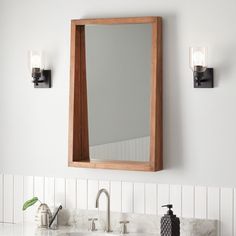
x: 162, y: 197
x: 151, y: 199
x: 213, y: 202
x: 1, y: 198
x: 234, y: 219
x: 132, y: 150
x: 82, y: 194
x: 213, y: 205
x: 103, y: 199
x: 122, y: 150
x: 28, y: 194
x: 135, y: 149
x: 92, y: 193
x: 18, y: 198
x: 60, y: 192
x: 188, y: 201
x: 200, y: 202
x: 49, y: 191
x: 139, y: 198
x: 138, y: 149
x: 116, y: 196
x: 8, y: 198
x: 176, y: 199
x: 127, y: 197
x: 226, y: 211
x: 112, y: 150
x: 71, y: 197
x: 39, y: 188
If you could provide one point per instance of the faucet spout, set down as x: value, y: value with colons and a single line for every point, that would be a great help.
x: 103, y: 190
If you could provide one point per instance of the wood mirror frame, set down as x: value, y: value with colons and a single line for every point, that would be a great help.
x: 78, y: 114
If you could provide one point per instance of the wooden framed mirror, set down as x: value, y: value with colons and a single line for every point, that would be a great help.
x: 115, y: 118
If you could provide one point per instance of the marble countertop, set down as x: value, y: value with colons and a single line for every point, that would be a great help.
x: 140, y: 225
x: 30, y: 229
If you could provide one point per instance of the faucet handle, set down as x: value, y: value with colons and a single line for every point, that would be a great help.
x: 123, y: 228
x: 124, y: 222
x: 92, y: 225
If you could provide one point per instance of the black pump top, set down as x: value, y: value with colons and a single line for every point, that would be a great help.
x: 169, y: 206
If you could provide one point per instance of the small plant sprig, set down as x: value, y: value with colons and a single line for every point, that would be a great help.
x: 30, y: 202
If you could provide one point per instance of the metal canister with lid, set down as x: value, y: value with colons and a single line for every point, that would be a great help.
x: 43, y: 216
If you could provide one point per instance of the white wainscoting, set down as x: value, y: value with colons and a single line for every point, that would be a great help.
x: 142, y: 198
x: 137, y: 149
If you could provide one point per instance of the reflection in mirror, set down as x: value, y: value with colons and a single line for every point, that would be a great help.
x: 118, y: 67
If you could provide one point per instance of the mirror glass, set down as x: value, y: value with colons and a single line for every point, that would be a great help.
x: 118, y: 71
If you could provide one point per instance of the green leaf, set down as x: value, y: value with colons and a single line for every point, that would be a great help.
x: 30, y: 203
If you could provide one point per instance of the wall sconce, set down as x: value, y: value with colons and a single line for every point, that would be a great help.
x: 41, y: 77
x: 203, y: 76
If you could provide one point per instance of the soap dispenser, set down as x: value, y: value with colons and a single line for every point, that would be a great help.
x: 170, y: 224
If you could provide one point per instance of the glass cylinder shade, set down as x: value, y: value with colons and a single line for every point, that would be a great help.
x: 36, y: 60
x: 198, y: 58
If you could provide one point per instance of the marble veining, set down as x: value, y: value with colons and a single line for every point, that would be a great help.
x: 140, y: 223
x: 75, y: 223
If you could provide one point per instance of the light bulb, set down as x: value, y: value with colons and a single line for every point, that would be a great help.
x: 198, y: 58
x: 36, y: 59
x: 41, y: 77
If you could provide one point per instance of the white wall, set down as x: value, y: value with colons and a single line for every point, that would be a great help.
x: 199, y: 124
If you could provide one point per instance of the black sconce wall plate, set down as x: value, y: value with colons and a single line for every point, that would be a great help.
x: 206, y: 80
x: 45, y: 80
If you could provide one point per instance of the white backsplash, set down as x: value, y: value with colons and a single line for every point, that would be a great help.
x: 197, y: 202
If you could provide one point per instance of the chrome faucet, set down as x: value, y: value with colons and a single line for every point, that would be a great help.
x: 103, y: 190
